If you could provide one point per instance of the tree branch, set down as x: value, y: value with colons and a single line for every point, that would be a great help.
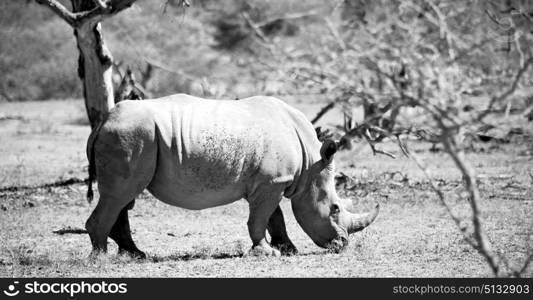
x: 100, y: 3
x: 163, y: 67
x: 372, y: 145
x: 100, y: 12
x: 290, y: 16
x: 267, y: 43
x: 442, y: 199
x: 522, y: 270
x: 333, y: 31
x: 323, y: 111
x: 96, y: 14
x: 508, y: 92
x: 483, y: 243
x: 59, y: 10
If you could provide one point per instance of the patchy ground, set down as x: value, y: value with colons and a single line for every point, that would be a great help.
x: 44, y: 142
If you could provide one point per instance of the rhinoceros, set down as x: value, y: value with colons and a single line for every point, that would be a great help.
x: 198, y: 153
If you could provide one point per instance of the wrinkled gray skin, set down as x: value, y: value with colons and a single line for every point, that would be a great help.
x: 196, y: 153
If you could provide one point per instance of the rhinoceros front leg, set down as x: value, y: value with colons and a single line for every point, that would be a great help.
x: 262, y: 202
x: 278, y: 233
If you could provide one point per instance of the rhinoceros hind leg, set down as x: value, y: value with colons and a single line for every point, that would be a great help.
x: 278, y: 233
x: 124, y: 168
x: 121, y: 234
x: 110, y: 217
x: 100, y: 223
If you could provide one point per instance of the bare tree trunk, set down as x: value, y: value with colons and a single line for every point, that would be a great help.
x: 94, y: 66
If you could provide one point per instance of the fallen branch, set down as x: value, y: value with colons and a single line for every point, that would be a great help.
x: 70, y: 230
x: 70, y: 181
x: 12, y: 118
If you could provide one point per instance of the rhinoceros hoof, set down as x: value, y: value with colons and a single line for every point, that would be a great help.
x: 286, y: 249
x: 97, y: 254
x: 138, y: 254
x: 263, y: 251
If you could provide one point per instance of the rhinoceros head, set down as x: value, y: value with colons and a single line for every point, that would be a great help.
x: 318, y: 209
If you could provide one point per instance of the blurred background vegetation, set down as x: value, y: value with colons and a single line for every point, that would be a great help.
x: 236, y: 48
x: 201, y: 49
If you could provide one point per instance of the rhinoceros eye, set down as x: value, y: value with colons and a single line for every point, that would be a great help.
x: 329, y: 147
x: 334, y: 209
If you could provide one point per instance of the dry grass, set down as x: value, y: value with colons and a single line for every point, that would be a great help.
x: 413, y: 236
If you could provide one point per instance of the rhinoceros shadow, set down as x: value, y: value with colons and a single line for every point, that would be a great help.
x: 194, y: 256
x: 223, y: 255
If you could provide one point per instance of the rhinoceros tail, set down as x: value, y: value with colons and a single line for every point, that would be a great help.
x: 92, y: 166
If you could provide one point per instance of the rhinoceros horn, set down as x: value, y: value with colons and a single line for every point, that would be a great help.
x: 358, y: 222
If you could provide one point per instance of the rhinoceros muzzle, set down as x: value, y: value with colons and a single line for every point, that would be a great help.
x: 340, y: 241
x: 346, y: 223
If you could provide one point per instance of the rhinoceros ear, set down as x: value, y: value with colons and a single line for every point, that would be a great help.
x: 329, y: 147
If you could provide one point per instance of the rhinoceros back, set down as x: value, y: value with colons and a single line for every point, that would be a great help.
x: 213, y: 152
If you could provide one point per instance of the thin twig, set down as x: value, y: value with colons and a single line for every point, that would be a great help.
x: 507, y: 93
x: 483, y: 243
x: 323, y: 111
x: 289, y: 16
x: 442, y: 199
x: 100, y: 3
x: 259, y: 33
x: 334, y: 33
x: 70, y: 230
x: 372, y: 145
x: 524, y: 266
x: 162, y: 66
